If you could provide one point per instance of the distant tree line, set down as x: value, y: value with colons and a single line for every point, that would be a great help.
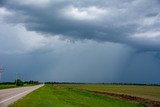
x: 32, y: 82
x: 19, y: 82
x: 140, y: 84
x: 63, y: 83
x: 7, y: 83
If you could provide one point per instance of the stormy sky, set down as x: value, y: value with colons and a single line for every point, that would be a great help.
x: 80, y: 40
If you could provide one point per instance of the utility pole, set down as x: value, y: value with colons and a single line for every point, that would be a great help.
x: 16, y: 77
x: 1, y: 71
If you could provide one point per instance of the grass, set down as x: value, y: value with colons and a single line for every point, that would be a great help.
x: 5, y: 86
x: 63, y: 96
x: 148, y: 92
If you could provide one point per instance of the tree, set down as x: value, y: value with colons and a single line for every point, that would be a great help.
x: 19, y: 82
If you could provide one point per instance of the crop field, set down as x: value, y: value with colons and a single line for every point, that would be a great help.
x: 148, y: 92
x: 65, y: 95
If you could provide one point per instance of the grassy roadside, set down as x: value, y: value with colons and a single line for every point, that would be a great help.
x: 2, y: 86
x: 6, y: 86
x: 61, y: 96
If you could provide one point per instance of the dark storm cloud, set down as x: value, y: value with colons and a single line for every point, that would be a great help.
x: 127, y: 31
x: 87, y: 62
x: 141, y: 65
x: 116, y: 21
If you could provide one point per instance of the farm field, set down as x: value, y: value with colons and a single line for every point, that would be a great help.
x: 148, y: 92
x: 60, y: 95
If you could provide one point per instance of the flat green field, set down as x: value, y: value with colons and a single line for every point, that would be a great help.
x: 148, y: 92
x: 60, y: 95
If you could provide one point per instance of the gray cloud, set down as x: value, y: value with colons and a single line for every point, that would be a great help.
x: 80, y: 62
x: 141, y: 65
x: 116, y: 21
x: 81, y: 41
x: 84, y: 62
